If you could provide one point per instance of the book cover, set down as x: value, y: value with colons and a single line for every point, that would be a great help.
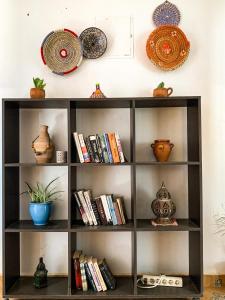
x: 78, y: 280
x: 119, y: 202
x: 84, y: 204
x: 118, y: 217
x: 113, y: 146
x: 102, y: 282
x: 83, y: 274
x: 90, y: 280
x: 93, y: 142
x: 108, y: 148
x: 89, y: 149
x: 101, y: 211
x: 84, y: 148
x: 99, y: 147
x: 106, y: 208
x: 124, y: 209
x: 104, y: 148
x: 107, y: 274
x: 111, y: 208
x: 79, y: 151
x: 95, y: 210
x: 81, y: 209
x: 94, y: 274
x: 119, y: 147
x: 88, y: 196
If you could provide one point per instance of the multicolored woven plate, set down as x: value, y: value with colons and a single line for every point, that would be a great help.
x: 167, y: 47
x: 166, y: 14
x: 94, y: 42
x: 61, y: 51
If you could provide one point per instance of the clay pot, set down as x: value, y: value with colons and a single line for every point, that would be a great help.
x: 36, y: 93
x: 43, y: 146
x: 162, y: 149
x: 162, y: 92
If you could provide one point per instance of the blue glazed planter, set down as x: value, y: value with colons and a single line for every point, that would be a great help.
x: 40, y: 212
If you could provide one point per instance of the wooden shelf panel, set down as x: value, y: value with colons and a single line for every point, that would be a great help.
x: 124, y: 288
x: 24, y: 288
x: 101, y: 164
x: 167, y: 163
x: 189, y: 290
x: 27, y: 225
x: 33, y: 164
x: 183, y: 225
x: 79, y: 227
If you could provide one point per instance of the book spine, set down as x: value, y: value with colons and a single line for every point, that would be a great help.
x: 106, y: 208
x: 101, y: 211
x: 108, y: 148
x: 119, y: 147
x: 107, y: 276
x: 84, y: 204
x: 102, y: 282
x: 89, y: 149
x: 81, y: 209
x: 94, y: 276
x: 83, y: 277
x: 84, y: 148
x: 79, y: 151
x: 104, y: 148
x: 94, y: 147
x: 89, y: 277
x: 87, y: 195
x: 100, y: 152
x: 113, y: 146
x: 118, y: 200
x: 112, y: 210
x: 78, y: 280
x: 95, y: 210
x: 118, y: 217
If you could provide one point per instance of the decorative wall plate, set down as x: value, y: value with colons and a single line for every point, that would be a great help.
x: 166, y: 14
x: 61, y: 51
x: 94, y: 42
x: 167, y: 47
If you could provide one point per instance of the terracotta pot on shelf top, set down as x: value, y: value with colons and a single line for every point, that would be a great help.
x: 162, y: 92
x: 162, y: 149
x: 36, y: 93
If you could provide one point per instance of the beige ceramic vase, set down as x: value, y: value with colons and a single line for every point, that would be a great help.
x: 43, y: 146
x: 162, y: 149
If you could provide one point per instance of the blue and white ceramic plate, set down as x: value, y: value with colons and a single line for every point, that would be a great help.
x: 166, y: 14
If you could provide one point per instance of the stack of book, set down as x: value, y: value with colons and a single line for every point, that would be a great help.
x: 92, y: 273
x: 99, y: 148
x: 102, y: 210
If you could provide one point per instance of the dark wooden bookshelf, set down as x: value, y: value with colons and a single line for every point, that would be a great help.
x: 20, y: 287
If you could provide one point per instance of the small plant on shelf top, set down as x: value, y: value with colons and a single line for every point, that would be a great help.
x: 38, y: 91
x: 41, y: 201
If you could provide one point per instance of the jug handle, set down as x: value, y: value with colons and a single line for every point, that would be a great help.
x: 170, y: 91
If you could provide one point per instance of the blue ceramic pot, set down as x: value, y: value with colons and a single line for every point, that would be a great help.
x: 40, y: 212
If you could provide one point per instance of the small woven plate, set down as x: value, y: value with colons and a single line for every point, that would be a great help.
x: 166, y: 14
x: 61, y: 51
x: 167, y: 47
x: 94, y: 42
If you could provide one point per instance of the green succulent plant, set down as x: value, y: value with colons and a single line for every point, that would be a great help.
x: 39, y: 83
x: 161, y: 85
x: 40, y: 193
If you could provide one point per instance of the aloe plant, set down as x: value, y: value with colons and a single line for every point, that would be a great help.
x: 161, y: 85
x: 40, y: 193
x: 39, y: 83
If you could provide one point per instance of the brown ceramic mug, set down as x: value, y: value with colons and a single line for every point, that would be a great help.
x: 162, y: 92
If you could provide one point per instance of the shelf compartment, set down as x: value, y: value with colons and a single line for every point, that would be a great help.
x: 23, y: 287
x: 27, y: 225
x: 101, y: 103
x: 123, y: 289
x: 152, y: 102
x: 183, y: 225
x: 79, y: 227
x: 189, y: 290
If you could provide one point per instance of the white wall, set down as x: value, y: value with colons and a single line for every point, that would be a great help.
x: 203, y: 74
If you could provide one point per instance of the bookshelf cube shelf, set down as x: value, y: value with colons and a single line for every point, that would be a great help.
x: 143, y: 120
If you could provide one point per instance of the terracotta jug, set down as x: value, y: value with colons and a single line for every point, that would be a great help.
x: 162, y: 149
x: 43, y: 146
x: 162, y: 92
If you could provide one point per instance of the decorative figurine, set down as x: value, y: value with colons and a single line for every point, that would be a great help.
x: 43, y: 146
x: 161, y: 91
x: 162, y: 149
x: 98, y: 93
x: 40, y: 276
x: 163, y: 207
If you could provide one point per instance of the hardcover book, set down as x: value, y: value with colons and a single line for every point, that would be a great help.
x: 95, y: 210
x: 94, y: 274
x: 111, y: 208
x: 90, y: 280
x: 118, y: 217
x: 101, y: 211
x: 107, y: 274
x: 113, y: 146
x: 85, y: 206
x: 104, y: 148
x: 108, y: 148
x: 88, y: 196
x: 81, y: 209
x: 100, y: 152
x: 94, y: 147
x: 102, y: 282
x: 84, y: 148
x: 106, y: 209
x: 119, y: 147
x: 83, y: 274
x: 89, y: 149
x: 78, y: 280
x: 78, y: 146
x: 120, y: 206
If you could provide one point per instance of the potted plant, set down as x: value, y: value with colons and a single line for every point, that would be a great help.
x: 38, y: 91
x: 41, y: 198
x: 161, y: 91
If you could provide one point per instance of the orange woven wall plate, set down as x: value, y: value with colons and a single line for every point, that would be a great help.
x: 167, y: 47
